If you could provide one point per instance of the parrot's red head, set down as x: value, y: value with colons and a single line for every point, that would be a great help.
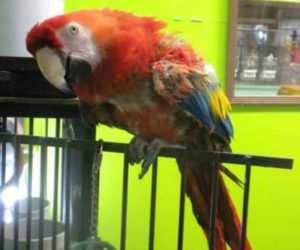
x: 71, y: 49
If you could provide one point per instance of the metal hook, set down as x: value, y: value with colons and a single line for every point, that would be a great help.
x: 94, y: 191
x: 98, y: 156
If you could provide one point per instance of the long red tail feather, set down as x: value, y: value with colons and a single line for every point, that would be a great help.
x: 228, y: 226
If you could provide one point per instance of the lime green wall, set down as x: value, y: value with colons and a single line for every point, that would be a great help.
x: 268, y: 130
x: 274, y: 205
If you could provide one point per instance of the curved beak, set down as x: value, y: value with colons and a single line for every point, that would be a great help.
x: 61, y: 69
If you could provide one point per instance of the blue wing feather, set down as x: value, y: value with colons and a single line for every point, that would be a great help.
x: 224, y: 128
x: 197, y: 92
x: 198, y: 105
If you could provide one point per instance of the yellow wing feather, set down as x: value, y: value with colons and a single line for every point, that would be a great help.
x: 220, y: 105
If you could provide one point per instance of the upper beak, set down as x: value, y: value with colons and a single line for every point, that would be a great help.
x: 76, y: 69
x: 61, y: 69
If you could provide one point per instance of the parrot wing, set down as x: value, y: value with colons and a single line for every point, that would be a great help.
x: 196, y: 91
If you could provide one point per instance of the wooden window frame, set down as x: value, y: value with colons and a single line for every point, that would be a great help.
x: 231, y: 54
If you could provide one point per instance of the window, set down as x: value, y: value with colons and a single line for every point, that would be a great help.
x: 263, y: 64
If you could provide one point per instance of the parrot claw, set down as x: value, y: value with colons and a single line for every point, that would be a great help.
x: 151, y: 154
x: 136, y: 150
x: 139, y: 149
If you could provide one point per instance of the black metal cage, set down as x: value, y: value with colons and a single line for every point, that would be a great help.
x: 25, y: 94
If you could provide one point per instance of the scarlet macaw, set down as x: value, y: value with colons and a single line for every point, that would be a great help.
x: 127, y: 73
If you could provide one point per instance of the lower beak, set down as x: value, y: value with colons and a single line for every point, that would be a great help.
x: 61, y: 69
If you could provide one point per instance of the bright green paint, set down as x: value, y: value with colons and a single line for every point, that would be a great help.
x: 267, y: 130
x: 274, y: 205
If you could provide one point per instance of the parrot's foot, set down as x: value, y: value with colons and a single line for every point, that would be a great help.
x: 139, y: 150
x: 151, y: 154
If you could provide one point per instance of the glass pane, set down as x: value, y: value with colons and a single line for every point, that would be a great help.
x: 268, y: 49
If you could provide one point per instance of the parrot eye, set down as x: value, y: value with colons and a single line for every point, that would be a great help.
x: 73, y: 28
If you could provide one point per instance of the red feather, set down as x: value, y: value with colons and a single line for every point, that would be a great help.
x: 43, y: 34
x: 129, y: 49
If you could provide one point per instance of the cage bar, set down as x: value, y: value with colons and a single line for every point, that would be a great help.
x: 16, y: 205
x: 55, y: 191
x: 3, y: 172
x: 153, y: 206
x: 181, y: 206
x: 43, y: 167
x: 246, y: 201
x: 213, y: 203
x: 29, y: 187
x: 169, y: 152
x: 124, y: 202
x: 67, y: 199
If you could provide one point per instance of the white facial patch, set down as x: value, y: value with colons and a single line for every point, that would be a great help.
x: 78, y: 40
x: 52, y: 68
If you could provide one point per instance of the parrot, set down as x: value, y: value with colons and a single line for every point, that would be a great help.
x: 128, y: 73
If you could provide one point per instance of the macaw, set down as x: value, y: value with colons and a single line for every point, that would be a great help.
x: 129, y: 74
